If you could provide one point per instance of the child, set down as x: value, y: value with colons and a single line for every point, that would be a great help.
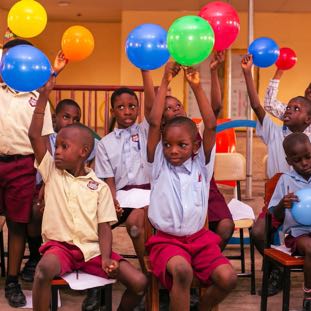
x: 181, y: 174
x: 297, y: 148
x: 77, y: 215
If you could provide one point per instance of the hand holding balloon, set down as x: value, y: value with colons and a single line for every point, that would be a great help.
x: 288, y: 200
x: 217, y: 58
x: 247, y: 63
x: 192, y: 76
x: 171, y: 71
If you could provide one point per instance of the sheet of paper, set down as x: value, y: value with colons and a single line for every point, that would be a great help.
x: 282, y: 248
x: 85, y: 280
x: 240, y: 210
x: 28, y: 294
x: 134, y: 198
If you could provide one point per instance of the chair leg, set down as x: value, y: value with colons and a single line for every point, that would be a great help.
x: 54, y: 298
x: 265, y: 283
x: 2, y: 255
x: 152, y: 295
x: 106, y: 297
x: 286, y: 289
x: 242, y: 251
x: 252, y: 255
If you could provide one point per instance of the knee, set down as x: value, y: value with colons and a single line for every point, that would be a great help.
x: 140, y: 284
x: 42, y: 274
x: 227, y: 281
x: 225, y: 228
x: 135, y: 231
x: 308, y: 250
x: 182, y: 274
x: 258, y: 233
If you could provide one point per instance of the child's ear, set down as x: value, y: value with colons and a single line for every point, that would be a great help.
x: 112, y: 112
x: 308, y: 120
x: 84, y: 151
x: 196, y: 147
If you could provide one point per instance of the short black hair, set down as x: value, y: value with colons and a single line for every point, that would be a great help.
x: 182, y: 121
x: 172, y: 97
x: 304, y: 101
x: 120, y: 91
x: 66, y: 102
x: 16, y: 42
x: 294, y: 139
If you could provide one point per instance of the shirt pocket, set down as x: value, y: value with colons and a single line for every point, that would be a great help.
x: 197, y: 193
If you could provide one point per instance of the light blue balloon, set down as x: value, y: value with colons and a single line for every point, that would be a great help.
x: 146, y: 47
x: 265, y: 52
x: 25, y: 68
x: 301, y: 210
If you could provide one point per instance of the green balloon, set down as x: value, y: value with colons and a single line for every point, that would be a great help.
x: 190, y: 40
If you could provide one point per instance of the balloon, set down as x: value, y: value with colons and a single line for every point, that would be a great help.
x: 25, y: 68
x: 287, y: 59
x: 27, y: 19
x: 265, y: 52
x: 225, y: 22
x: 146, y: 47
x: 301, y: 210
x: 234, y: 124
x: 77, y: 43
x: 190, y: 40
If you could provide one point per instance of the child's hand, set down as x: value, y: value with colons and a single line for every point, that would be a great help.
x: 171, y: 71
x: 48, y: 87
x: 119, y: 210
x: 247, y: 62
x: 289, y: 199
x: 218, y: 57
x: 192, y: 75
x: 111, y: 267
x: 60, y: 62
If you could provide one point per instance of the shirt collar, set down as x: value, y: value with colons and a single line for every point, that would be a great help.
x: 185, y: 167
x: 118, y: 132
x: 293, y: 174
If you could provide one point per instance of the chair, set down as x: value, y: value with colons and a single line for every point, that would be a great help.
x: 232, y: 166
x: 2, y: 254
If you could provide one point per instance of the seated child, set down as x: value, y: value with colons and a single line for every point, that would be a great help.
x: 297, y: 148
x: 181, y: 174
x: 77, y: 215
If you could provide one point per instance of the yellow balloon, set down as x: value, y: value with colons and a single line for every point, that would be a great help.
x: 27, y: 18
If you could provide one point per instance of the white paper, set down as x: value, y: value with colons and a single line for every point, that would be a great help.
x: 240, y: 210
x: 134, y: 198
x: 85, y: 280
x: 282, y: 248
x: 28, y: 294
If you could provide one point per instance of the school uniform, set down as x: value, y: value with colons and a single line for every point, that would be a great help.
x: 178, y: 209
x: 17, y: 173
x: 290, y: 182
x: 74, y: 206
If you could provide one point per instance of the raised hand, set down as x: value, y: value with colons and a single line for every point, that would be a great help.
x: 192, y: 76
x: 247, y: 63
x: 171, y: 71
x: 60, y: 62
x: 217, y: 58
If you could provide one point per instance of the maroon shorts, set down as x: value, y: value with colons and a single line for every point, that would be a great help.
x: 217, y: 206
x: 291, y: 242
x: 71, y: 258
x: 200, y: 249
x: 17, y: 187
x: 275, y: 222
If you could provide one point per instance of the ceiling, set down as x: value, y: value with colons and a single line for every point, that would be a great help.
x: 110, y: 10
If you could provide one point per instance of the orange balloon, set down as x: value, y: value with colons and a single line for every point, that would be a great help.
x: 77, y: 43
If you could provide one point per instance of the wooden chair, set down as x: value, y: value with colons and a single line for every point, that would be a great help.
x: 232, y: 166
x: 2, y: 254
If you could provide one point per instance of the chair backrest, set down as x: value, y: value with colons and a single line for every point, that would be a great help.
x: 270, y: 185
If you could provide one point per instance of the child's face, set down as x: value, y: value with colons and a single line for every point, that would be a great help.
x: 308, y: 92
x: 67, y: 116
x: 178, y: 144
x: 173, y: 109
x: 300, y: 158
x: 125, y: 110
x: 296, y: 114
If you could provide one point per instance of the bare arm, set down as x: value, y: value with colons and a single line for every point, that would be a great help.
x: 247, y: 63
x: 149, y: 94
x: 286, y: 202
x: 110, y: 181
x: 38, y: 142
x: 209, y: 119
x: 154, y: 136
x: 105, y: 240
x: 60, y: 62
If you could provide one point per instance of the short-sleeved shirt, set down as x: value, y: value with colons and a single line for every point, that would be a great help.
x: 273, y: 136
x: 16, y: 110
x: 122, y: 154
x: 179, y: 194
x: 290, y: 182
x: 74, y: 206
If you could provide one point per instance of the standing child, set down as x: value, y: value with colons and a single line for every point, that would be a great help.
x: 181, y: 173
x: 297, y: 148
x: 77, y: 215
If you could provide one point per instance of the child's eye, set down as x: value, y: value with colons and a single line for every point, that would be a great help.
x: 64, y: 146
x: 121, y: 107
x: 76, y: 120
x: 178, y: 105
x: 182, y: 145
x: 297, y: 108
x: 133, y: 107
x: 65, y: 117
x: 166, y: 145
x: 168, y: 108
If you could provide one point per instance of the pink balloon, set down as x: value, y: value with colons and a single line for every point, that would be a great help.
x: 225, y: 22
x: 287, y: 59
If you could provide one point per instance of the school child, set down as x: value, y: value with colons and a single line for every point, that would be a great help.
x: 77, y: 214
x: 17, y: 173
x: 181, y: 174
x: 297, y: 148
x: 297, y: 118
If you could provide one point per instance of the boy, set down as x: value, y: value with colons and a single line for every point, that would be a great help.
x: 77, y: 215
x: 181, y: 175
x: 297, y: 148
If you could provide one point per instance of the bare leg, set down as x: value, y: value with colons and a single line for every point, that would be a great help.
x: 135, y: 283
x: 224, y: 281
x: 304, y: 248
x: 182, y: 274
x: 258, y: 234
x: 225, y: 230
x: 47, y: 268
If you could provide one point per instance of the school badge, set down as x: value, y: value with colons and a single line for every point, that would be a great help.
x: 32, y: 102
x: 135, y: 138
x: 93, y: 185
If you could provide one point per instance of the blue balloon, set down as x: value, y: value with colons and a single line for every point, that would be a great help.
x: 301, y: 210
x: 146, y: 47
x: 234, y: 124
x: 265, y: 52
x: 25, y: 68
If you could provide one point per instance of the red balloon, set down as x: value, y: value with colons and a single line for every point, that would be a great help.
x: 225, y: 22
x: 287, y: 59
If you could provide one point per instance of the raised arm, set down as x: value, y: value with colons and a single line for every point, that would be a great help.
x: 156, y: 113
x: 217, y: 59
x: 149, y: 94
x: 38, y: 142
x: 60, y: 62
x: 208, y: 117
x: 246, y: 64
